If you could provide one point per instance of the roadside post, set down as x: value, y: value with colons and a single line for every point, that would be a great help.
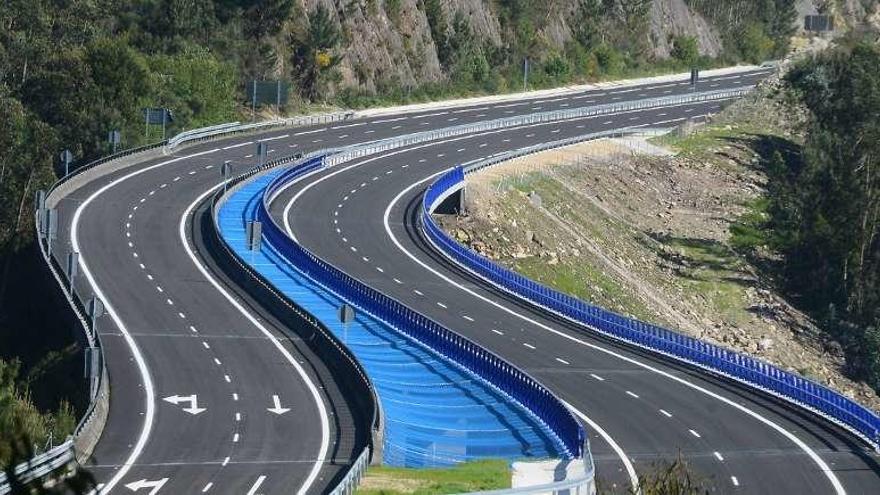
x: 66, y: 159
x: 262, y: 153
x: 72, y: 269
x: 254, y: 237
x: 346, y: 316
x: 226, y: 172
x: 114, y: 137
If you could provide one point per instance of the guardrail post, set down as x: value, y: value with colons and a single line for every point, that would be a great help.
x: 226, y: 172
x: 50, y: 227
x: 72, y: 269
x: 92, y: 369
x: 95, y: 310
x: 66, y: 159
x: 262, y: 153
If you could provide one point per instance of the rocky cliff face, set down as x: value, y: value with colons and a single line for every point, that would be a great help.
x: 389, y: 42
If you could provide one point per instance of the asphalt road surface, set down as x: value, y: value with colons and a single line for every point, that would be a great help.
x: 195, y: 365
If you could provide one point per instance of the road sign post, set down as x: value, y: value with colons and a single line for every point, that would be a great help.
x: 254, y: 235
x: 157, y: 116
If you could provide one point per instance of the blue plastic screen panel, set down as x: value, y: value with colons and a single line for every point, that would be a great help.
x: 741, y: 367
x: 436, y: 413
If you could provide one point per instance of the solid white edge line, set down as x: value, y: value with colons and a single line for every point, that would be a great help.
x: 129, y: 340
x: 627, y: 464
x: 325, y: 428
x: 835, y: 482
x: 286, y: 213
x: 623, y: 457
x: 826, y: 470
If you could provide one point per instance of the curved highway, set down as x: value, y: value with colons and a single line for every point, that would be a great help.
x: 195, y: 365
x: 362, y: 217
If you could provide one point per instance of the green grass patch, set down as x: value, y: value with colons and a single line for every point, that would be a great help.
x: 713, y: 271
x: 584, y: 281
x: 490, y: 474
x: 701, y: 141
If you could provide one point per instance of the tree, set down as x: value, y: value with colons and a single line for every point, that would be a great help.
x: 685, y: 49
x: 782, y: 24
x: 439, y: 28
x: 754, y: 44
x: 199, y: 88
x: 587, y: 26
x: 828, y: 212
x: 314, y: 53
x: 27, y: 147
x: 266, y: 17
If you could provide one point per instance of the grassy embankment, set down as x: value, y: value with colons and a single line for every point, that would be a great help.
x: 491, y: 474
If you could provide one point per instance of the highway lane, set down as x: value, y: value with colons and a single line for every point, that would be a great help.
x: 195, y: 342
x: 344, y: 222
x: 156, y: 440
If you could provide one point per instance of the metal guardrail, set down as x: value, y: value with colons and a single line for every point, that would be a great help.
x: 578, y: 485
x: 742, y: 368
x: 350, y: 153
x: 472, y: 357
x: 343, y: 354
x: 39, y: 466
x: 348, y: 484
x: 61, y: 455
x: 237, y: 128
x: 202, y: 134
x: 353, y: 152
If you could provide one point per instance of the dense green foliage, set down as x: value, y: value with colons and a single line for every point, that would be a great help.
x: 822, y: 210
x: 72, y: 70
x: 826, y: 210
x: 18, y: 415
x: 754, y: 30
x: 467, y: 477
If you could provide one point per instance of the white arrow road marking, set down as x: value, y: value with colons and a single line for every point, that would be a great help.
x: 192, y: 399
x: 154, y: 485
x: 256, y: 485
x: 278, y: 409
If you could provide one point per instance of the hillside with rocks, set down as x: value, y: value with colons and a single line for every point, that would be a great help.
x: 408, y: 43
x: 646, y: 232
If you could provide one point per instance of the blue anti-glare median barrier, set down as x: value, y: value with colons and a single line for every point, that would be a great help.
x: 436, y: 411
x: 743, y: 368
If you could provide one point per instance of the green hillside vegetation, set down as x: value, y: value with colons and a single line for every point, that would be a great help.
x: 822, y: 211
x: 72, y: 70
